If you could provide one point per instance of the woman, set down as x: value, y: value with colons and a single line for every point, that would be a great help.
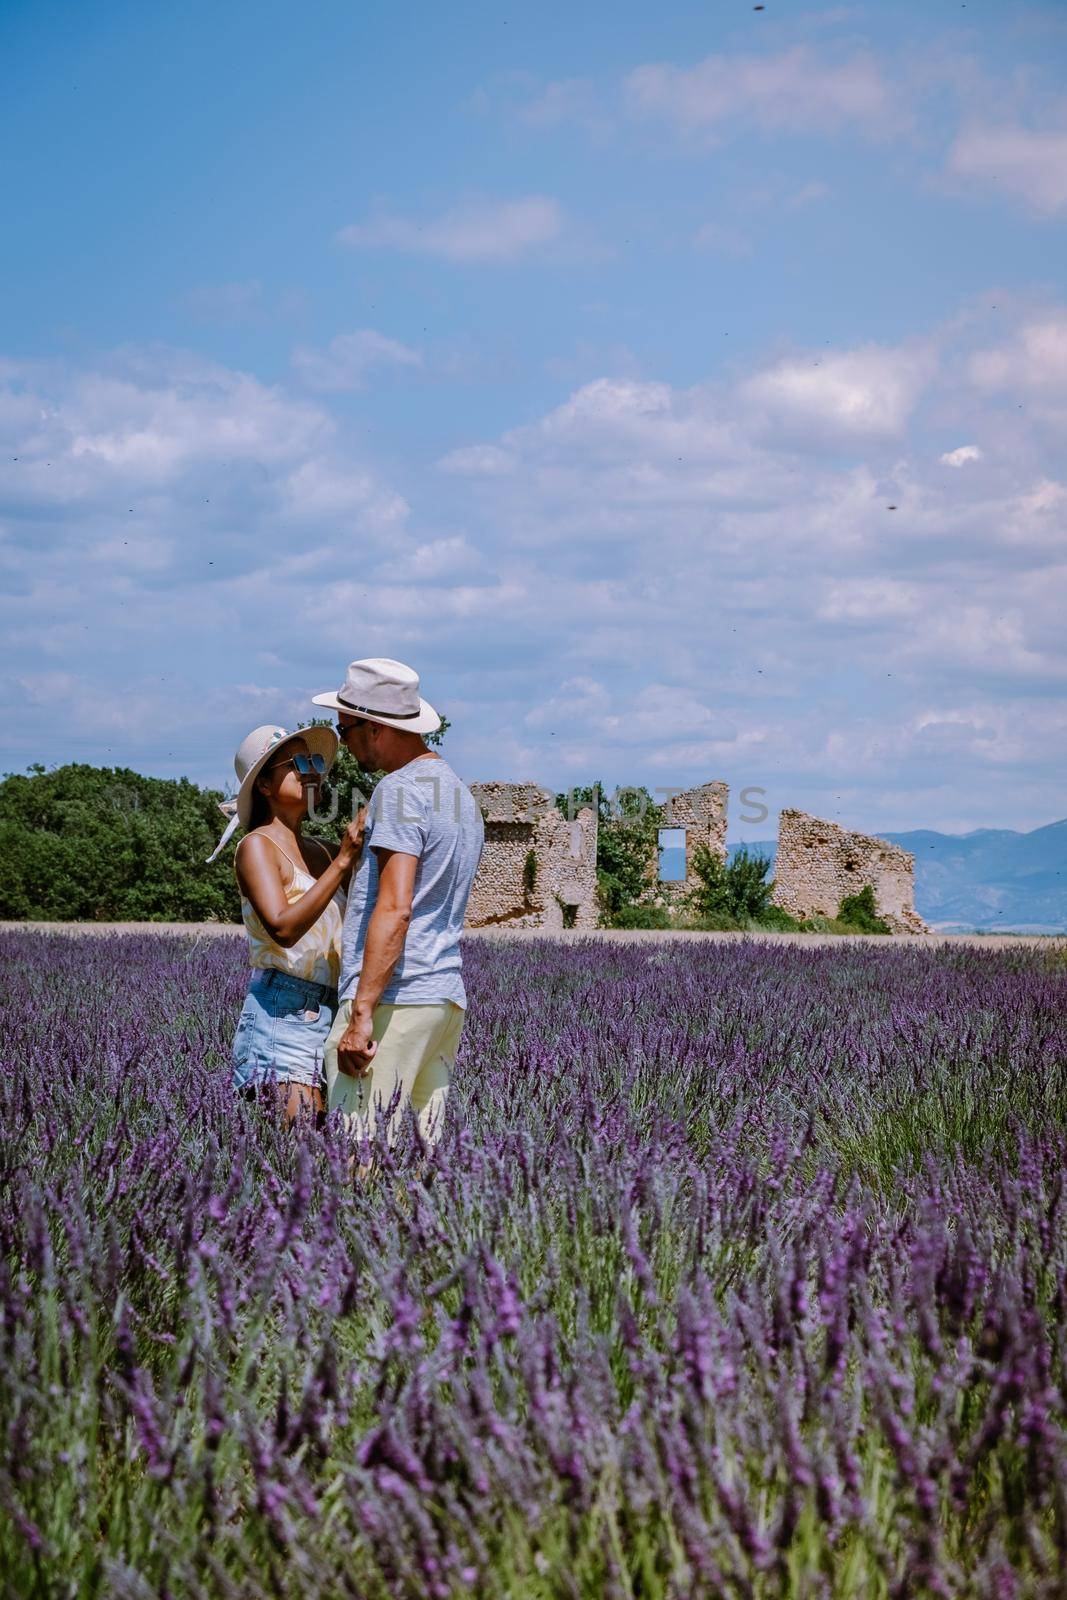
x: 292, y: 903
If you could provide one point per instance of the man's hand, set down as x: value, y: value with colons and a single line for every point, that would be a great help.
x: 356, y: 1048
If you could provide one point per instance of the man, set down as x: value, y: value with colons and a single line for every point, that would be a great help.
x: 401, y: 996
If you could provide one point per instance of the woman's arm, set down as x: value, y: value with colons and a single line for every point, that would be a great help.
x: 259, y: 873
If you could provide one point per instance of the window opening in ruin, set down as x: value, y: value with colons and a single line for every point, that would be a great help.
x: 570, y: 916
x: 672, y: 855
x: 529, y: 872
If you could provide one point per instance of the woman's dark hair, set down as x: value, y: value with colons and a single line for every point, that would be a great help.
x: 260, y: 809
x: 260, y: 804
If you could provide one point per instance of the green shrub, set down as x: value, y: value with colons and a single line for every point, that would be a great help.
x: 738, y: 890
x: 779, y: 921
x: 860, y: 912
x: 715, y: 922
x: 636, y: 916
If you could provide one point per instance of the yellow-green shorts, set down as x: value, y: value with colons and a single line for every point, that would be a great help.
x: 416, y: 1051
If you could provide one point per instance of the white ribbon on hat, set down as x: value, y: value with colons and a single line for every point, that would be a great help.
x: 228, y: 809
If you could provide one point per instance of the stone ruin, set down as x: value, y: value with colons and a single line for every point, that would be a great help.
x: 538, y: 870
x: 702, y: 813
x: 819, y: 863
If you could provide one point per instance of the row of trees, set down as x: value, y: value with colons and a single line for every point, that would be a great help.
x: 102, y: 844
x: 91, y: 844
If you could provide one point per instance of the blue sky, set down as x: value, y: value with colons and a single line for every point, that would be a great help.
x: 575, y: 355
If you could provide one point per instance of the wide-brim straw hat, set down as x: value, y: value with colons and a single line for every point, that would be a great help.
x: 255, y: 751
x: 385, y: 691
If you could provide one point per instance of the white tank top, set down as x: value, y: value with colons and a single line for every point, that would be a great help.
x: 317, y: 955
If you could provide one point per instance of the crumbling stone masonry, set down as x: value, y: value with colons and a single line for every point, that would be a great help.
x: 702, y: 813
x: 537, y: 870
x: 818, y: 864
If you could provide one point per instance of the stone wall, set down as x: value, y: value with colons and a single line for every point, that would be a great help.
x: 702, y: 813
x: 818, y: 864
x: 537, y: 869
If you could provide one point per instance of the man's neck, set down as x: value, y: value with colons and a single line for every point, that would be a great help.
x: 404, y: 757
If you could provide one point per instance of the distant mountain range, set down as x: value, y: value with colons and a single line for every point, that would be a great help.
x: 991, y: 881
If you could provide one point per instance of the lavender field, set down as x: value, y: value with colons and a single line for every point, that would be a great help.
x: 741, y: 1270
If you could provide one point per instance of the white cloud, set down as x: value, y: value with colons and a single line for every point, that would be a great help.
x: 646, y: 583
x: 972, y: 724
x: 1038, y: 516
x: 1026, y: 163
x: 478, y: 461
x: 722, y: 509
x: 320, y: 488
x: 568, y: 100
x: 990, y: 637
x: 167, y: 517
x: 438, y: 559
x: 150, y: 421
x: 1033, y: 360
x: 659, y: 714
x: 723, y: 239
x: 227, y: 303
x: 492, y: 231
x: 871, y: 600
x: 960, y: 457
x: 793, y: 91
x: 809, y: 194
x: 609, y: 405
x: 582, y: 698
x: 349, y: 358
x: 545, y: 106
x: 859, y: 394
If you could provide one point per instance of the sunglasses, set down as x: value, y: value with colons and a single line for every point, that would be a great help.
x: 305, y: 765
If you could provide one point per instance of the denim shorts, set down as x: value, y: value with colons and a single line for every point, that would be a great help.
x: 284, y: 1025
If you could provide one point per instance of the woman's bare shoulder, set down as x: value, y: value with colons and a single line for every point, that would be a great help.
x: 258, y: 852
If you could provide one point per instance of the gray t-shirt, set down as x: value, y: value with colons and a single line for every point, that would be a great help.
x: 424, y: 810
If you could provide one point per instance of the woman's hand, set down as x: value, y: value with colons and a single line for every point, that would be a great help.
x: 351, y: 847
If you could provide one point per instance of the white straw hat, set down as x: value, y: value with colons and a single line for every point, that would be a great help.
x: 253, y: 753
x: 383, y: 691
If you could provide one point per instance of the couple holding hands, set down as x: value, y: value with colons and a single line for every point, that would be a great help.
x: 356, y: 1002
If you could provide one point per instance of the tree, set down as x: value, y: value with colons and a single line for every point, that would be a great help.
x: 627, y: 835
x: 738, y: 890
x: 84, y: 843
x: 88, y: 844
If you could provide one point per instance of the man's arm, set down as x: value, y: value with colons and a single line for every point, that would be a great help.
x: 386, y: 932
